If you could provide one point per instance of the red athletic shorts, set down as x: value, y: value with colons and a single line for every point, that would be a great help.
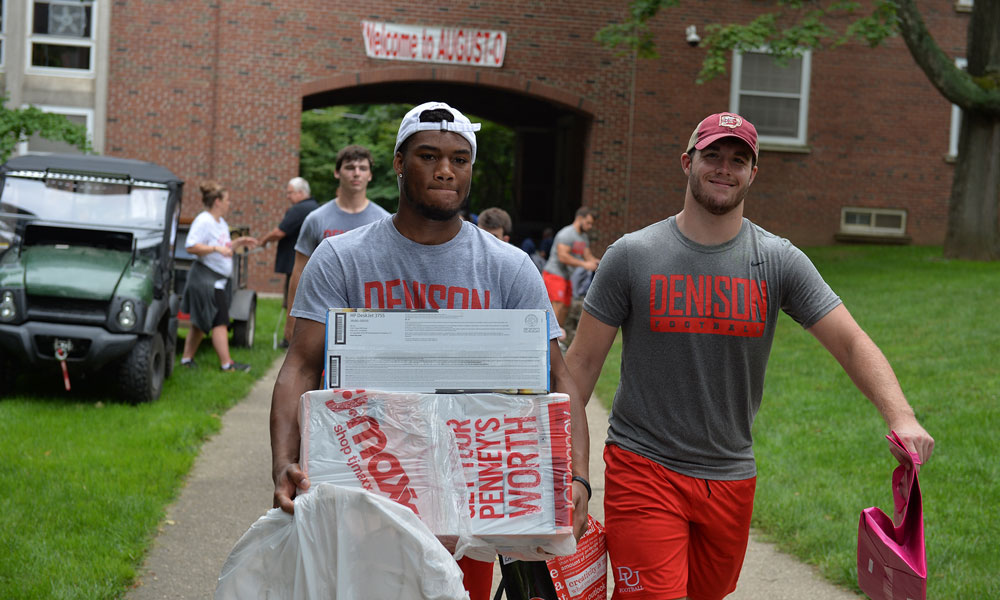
x: 478, y: 578
x: 559, y: 289
x: 670, y: 535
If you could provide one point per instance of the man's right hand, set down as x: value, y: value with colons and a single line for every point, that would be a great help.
x: 287, y: 483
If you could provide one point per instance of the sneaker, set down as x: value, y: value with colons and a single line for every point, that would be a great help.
x: 235, y: 366
x: 190, y: 364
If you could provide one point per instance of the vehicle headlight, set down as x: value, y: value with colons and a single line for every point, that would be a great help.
x: 126, y: 315
x: 8, y: 309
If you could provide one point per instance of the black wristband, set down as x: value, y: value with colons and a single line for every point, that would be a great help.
x: 586, y: 484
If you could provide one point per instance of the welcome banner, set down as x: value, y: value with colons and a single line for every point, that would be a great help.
x: 445, y: 45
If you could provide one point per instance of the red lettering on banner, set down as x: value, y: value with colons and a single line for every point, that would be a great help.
x: 442, y: 45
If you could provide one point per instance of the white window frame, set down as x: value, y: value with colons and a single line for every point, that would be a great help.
x: 4, y: 17
x: 963, y: 5
x: 69, y: 111
x: 872, y: 230
x: 32, y: 38
x: 956, y: 119
x: 803, y: 96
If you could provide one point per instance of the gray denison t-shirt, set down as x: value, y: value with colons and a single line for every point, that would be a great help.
x: 697, y: 326
x: 577, y: 242
x: 377, y: 267
x: 330, y: 220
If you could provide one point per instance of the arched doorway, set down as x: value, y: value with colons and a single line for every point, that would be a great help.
x: 551, y: 133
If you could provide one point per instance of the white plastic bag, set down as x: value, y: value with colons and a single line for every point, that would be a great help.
x: 343, y: 544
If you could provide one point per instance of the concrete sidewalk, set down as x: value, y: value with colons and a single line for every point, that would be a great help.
x: 230, y: 487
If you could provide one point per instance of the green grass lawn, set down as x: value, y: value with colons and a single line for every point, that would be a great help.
x: 86, y: 479
x: 819, y: 443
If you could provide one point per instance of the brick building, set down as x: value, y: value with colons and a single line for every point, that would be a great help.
x: 855, y: 141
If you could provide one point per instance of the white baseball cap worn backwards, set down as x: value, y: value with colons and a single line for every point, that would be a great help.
x: 411, y: 124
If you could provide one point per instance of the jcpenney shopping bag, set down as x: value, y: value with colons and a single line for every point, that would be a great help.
x: 579, y: 576
x: 891, y: 560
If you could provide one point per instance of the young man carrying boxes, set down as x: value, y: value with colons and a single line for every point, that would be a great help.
x: 442, y: 262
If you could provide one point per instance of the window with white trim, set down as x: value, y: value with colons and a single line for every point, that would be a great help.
x: 873, y: 221
x: 963, y: 5
x: 3, y: 33
x: 773, y: 95
x: 956, y: 118
x: 79, y: 116
x: 61, y: 38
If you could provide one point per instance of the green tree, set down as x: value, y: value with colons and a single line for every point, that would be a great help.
x: 325, y: 131
x: 18, y: 124
x: 493, y: 174
x: 973, y: 230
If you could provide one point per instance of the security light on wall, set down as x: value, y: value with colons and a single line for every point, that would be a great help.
x: 691, y: 35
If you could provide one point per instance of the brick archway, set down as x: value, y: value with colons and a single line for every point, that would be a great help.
x: 428, y: 74
x: 552, y: 126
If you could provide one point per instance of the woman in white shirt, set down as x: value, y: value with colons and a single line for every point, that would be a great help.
x: 209, y: 286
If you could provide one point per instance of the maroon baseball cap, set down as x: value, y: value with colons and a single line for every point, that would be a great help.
x: 720, y: 125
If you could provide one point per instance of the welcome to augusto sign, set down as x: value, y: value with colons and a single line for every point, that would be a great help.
x: 447, y: 45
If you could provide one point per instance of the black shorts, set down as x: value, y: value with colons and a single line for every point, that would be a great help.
x: 222, y: 312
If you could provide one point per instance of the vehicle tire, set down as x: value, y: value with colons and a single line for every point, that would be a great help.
x: 243, y: 331
x: 141, y: 373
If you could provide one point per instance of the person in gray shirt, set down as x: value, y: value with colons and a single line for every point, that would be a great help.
x: 697, y: 298
x: 350, y: 209
x: 570, y: 249
x: 424, y: 257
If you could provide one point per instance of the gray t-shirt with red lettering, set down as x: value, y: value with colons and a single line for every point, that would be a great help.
x: 330, y: 220
x: 377, y: 267
x: 578, y: 243
x: 697, y: 326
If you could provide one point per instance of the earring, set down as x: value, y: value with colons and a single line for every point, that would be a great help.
x: 400, y: 175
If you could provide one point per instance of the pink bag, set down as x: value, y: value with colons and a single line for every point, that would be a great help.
x: 891, y: 560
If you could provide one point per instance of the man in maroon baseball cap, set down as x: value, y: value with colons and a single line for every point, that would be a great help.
x: 720, y: 125
x: 696, y: 297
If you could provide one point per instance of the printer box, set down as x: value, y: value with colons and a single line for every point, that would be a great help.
x: 438, y: 351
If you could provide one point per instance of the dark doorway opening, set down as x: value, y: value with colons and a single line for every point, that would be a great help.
x: 549, y: 148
